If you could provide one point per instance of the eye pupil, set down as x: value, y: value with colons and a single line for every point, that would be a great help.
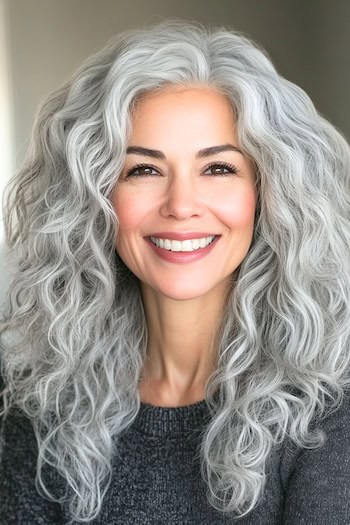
x: 218, y: 169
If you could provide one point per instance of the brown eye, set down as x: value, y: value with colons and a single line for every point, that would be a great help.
x: 219, y: 169
x: 141, y: 168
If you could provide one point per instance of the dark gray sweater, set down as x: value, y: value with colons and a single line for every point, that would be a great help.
x: 156, y: 479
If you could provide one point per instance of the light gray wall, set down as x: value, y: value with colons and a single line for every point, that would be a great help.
x: 308, y: 40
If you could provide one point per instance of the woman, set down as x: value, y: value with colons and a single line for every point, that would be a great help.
x: 183, y: 256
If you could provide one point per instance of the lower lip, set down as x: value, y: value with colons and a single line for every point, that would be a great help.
x: 183, y: 257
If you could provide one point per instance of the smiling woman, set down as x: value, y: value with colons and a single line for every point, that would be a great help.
x: 181, y: 303
x: 199, y: 181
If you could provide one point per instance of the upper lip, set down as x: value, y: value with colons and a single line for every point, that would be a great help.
x: 181, y: 236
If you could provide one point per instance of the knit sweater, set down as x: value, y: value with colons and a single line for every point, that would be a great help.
x: 156, y: 475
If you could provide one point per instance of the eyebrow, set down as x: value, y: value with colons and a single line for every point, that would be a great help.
x: 206, y: 152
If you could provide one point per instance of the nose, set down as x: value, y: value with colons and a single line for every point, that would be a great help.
x: 182, y: 197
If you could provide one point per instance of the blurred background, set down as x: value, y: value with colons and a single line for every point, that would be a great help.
x: 43, y: 41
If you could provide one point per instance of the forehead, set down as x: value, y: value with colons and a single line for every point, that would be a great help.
x: 183, y: 112
x: 187, y: 95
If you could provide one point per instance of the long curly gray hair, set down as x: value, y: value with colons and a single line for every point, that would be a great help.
x: 74, y: 317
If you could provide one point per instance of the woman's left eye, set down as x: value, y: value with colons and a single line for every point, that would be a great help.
x: 228, y: 167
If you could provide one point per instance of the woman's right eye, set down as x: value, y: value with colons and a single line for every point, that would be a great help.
x: 141, y: 168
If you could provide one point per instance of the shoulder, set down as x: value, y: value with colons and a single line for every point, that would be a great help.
x: 17, y: 435
x: 15, y: 418
x: 312, y: 477
x: 335, y: 422
x: 334, y: 425
x: 18, y: 444
x: 18, y: 470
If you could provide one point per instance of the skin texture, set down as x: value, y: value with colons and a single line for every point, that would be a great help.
x: 183, y: 302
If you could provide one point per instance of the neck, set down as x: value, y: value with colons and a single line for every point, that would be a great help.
x: 182, y: 348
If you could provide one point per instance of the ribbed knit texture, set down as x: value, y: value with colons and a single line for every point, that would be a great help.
x: 156, y: 476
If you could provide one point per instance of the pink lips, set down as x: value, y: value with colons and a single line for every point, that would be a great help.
x: 182, y: 257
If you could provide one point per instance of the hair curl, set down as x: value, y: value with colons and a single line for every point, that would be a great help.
x: 75, y: 309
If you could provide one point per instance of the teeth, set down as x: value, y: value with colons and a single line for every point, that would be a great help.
x: 189, y: 245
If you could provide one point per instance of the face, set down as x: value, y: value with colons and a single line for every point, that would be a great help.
x: 181, y: 191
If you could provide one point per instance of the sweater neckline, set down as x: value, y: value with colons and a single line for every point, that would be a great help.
x: 165, y: 421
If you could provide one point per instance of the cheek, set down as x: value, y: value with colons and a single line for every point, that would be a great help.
x: 130, y: 209
x: 238, y: 209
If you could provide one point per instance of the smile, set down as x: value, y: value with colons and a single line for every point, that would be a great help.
x: 182, y: 246
x: 181, y: 256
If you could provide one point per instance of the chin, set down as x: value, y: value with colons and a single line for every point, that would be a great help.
x: 182, y: 291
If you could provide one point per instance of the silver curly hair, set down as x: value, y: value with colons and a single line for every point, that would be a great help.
x: 76, y: 328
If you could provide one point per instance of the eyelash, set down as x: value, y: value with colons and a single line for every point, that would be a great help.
x: 232, y: 169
